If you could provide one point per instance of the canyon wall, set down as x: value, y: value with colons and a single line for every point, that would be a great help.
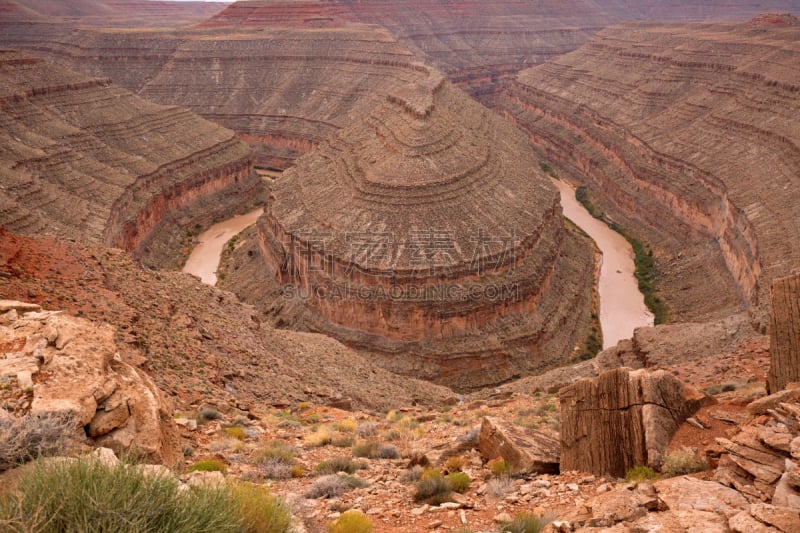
x: 426, y: 233
x: 88, y: 160
x: 687, y: 137
x: 476, y: 43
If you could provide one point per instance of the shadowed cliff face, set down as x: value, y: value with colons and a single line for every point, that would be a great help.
x: 85, y: 159
x: 688, y: 135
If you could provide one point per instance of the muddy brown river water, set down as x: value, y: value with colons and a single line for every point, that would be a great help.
x: 204, y: 259
x: 622, y: 306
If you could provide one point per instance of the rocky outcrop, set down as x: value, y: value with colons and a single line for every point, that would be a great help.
x: 88, y: 160
x: 761, y: 461
x: 784, y: 332
x: 73, y: 368
x: 524, y: 452
x: 426, y: 233
x: 621, y: 419
x: 686, y: 136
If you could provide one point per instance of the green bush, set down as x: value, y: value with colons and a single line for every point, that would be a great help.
x: 458, y: 481
x: 374, y: 450
x: 337, y: 464
x: 67, y: 495
x: 525, y: 522
x: 641, y: 473
x: 351, y: 521
x: 209, y: 465
x: 259, y: 511
x: 499, y: 468
x: 432, y: 488
x: 681, y: 462
x: 235, y: 432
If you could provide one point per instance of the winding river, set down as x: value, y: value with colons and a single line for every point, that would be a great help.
x: 622, y: 306
x: 204, y: 259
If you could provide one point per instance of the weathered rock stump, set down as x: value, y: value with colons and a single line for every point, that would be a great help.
x: 621, y: 419
x: 784, y: 332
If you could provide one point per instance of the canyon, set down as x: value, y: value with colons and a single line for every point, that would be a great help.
x: 88, y: 160
x: 686, y: 136
x: 412, y: 282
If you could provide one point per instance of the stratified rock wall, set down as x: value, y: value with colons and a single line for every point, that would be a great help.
x: 620, y: 419
x: 426, y: 232
x: 85, y: 159
x: 476, y: 42
x: 687, y: 135
x: 784, y: 332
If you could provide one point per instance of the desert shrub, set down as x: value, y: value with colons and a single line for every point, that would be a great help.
x: 277, y: 461
x: 366, y: 429
x: 641, y: 473
x: 412, y: 474
x: 499, y: 468
x: 432, y: 488
x: 455, y: 463
x: 235, y: 432
x: 337, y: 464
x: 334, y: 485
x: 343, y: 441
x: 260, y: 511
x: 207, y: 413
x: 209, y: 465
x: 497, y: 488
x: 525, y: 522
x: 458, y: 481
x: 351, y: 521
x: 320, y: 437
x: 387, y: 451
x: 276, y: 450
x: 470, y: 437
x: 366, y: 449
x: 30, y: 437
x: 88, y: 495
x: 346, y: 425
x: 682, y: 462
x: 226, y: 444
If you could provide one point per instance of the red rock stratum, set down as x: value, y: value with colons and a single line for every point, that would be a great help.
x: 686, y: 135
x: 85, y: 159
x: 426, y: 232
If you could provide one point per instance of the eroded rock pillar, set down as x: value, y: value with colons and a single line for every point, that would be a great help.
x: 784, y: 332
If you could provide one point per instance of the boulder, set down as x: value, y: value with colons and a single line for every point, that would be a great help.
x: 743, y: 522
x: 784, y: 332
x: 783, y: 518
x: 525, y: 451
x: 687, y: 493
x: 621, y: 419
x: 79, y: 374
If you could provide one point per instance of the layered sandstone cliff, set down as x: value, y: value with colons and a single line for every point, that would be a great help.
x: 475, y: 42
x: 687, y: 136
x: 85, y: 159
x: 427, y: 233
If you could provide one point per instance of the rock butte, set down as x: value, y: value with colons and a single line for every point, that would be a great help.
x: 688, y: 136
x: 86, y: 159
x: 426, y: 232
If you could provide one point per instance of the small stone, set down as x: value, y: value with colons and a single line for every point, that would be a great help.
x: 463, y: 517
x: 586, y: 480
x: 605, y: 487
x: 419, y: 511
x: 24, y: 379
x: 573, y: 487
x: 541, y: 483
x: 450, y: 505
x: 502, y: 518
x: 435, y: 524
